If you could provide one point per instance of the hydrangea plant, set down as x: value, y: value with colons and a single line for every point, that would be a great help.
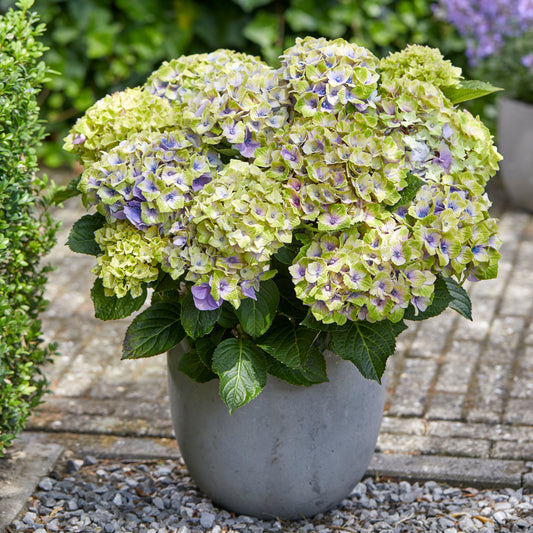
x: 274, y: 214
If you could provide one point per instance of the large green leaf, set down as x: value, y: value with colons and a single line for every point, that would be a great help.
x: 256, y: 316
x: 205, y: 346
x: 154, y: 331
x: 287, y: 253
x: 111, y: 307
x: 460, y: 300
x: 469, y: 90
x: 441, y: 300
x: 287, y: 343
x: 191, y: 365
x: 241, y: 367
x: 197, y: 323
x: 367, y: 345
x: 313, y: 371
x: 81, y: 238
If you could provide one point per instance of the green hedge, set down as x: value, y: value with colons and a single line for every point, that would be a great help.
x: 99, y: 46
x: 26, y: 230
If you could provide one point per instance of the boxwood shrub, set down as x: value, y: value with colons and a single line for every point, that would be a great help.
x: 27, y: 232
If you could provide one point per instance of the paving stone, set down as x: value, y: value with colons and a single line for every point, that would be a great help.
x: 415, y: 380
x: 518, y: 296
x: 26, y: 462
x: 522, y: 386
x: 453, y: 470
x: 483, y: 311
x: 513, y: 450
x: 469, y: 430
x: 408, y: 426
x: 460, y: 360
x: 432, y: 335
x: 485, y: 400
x: 405, y: 444
x: 445, y: 406
x: 519, y: 411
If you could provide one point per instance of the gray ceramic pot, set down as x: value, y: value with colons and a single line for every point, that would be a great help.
x: 515, y: 142
x: 291, y: 452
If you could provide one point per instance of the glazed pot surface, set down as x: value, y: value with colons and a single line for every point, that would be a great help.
x: 291, y: 452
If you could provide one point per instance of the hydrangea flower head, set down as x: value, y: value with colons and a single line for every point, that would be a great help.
x: 115, y: 117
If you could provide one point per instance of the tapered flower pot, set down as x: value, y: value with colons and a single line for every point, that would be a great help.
x: 291, y: 452
x: 515, y: 142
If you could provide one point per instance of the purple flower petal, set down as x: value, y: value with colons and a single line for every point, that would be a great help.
x: 202, y: 298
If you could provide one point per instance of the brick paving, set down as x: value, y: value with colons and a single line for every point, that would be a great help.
x: 459, y: 394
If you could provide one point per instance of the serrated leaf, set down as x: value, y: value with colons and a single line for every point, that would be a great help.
x: 111, y: 307
x: 460, y: 300
x: 469, y: 90
x: 367, y: 345
x: 197, y: 323
x: 398, y: 327
x: 408, y: 192
x: 312, y: 372
x: 312, y: 323
x: 66, y: 192
x: 81, y: 238
x: 288, y: 344
x: 256, y: 316
x: 191, y: 365
x: 241, y: 367
x: 441, y: 300
x: 154, y: 331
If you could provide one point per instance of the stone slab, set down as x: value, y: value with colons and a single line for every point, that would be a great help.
x: 453, y: 470
x: 30, y: 458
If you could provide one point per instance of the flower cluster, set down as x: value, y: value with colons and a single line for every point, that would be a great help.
x: 226, y: 97
x: 487, y: 25
x: 499, y: 40
x: 364, y: 164
x: 115, y: 118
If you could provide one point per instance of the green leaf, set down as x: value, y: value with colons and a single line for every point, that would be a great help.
x: 191, y: 365
x: 398, y: 327
x: 227, y: 319
x: 441, y: 300
x: 288, y: 344
x: 313, y: 371
x: 311, y: 322
x: 154, y: 331
x: 81, y: 238
x: 460, y: 300
x: 205, y: 346
x: 263, y: 29
x: 66, y: 191
x: 256, y: 316
x: 469, y: 90
x: 197, y: 323
x: 408, y: 192
x: 250, y: 5
x: 287, y: 253
x: 241, y: 367
x: 367, y: 345
x: 111, y: 307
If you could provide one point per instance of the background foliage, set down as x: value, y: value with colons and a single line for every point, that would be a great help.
x: 26, y: 231
x: 100, y: 46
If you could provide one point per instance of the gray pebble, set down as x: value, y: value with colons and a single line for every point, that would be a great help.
x: 46, y: 483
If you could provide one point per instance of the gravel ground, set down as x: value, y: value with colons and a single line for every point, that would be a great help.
x: 159, y: 497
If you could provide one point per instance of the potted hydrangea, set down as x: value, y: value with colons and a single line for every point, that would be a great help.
x: 286, y: 224
x: 500, y: 48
